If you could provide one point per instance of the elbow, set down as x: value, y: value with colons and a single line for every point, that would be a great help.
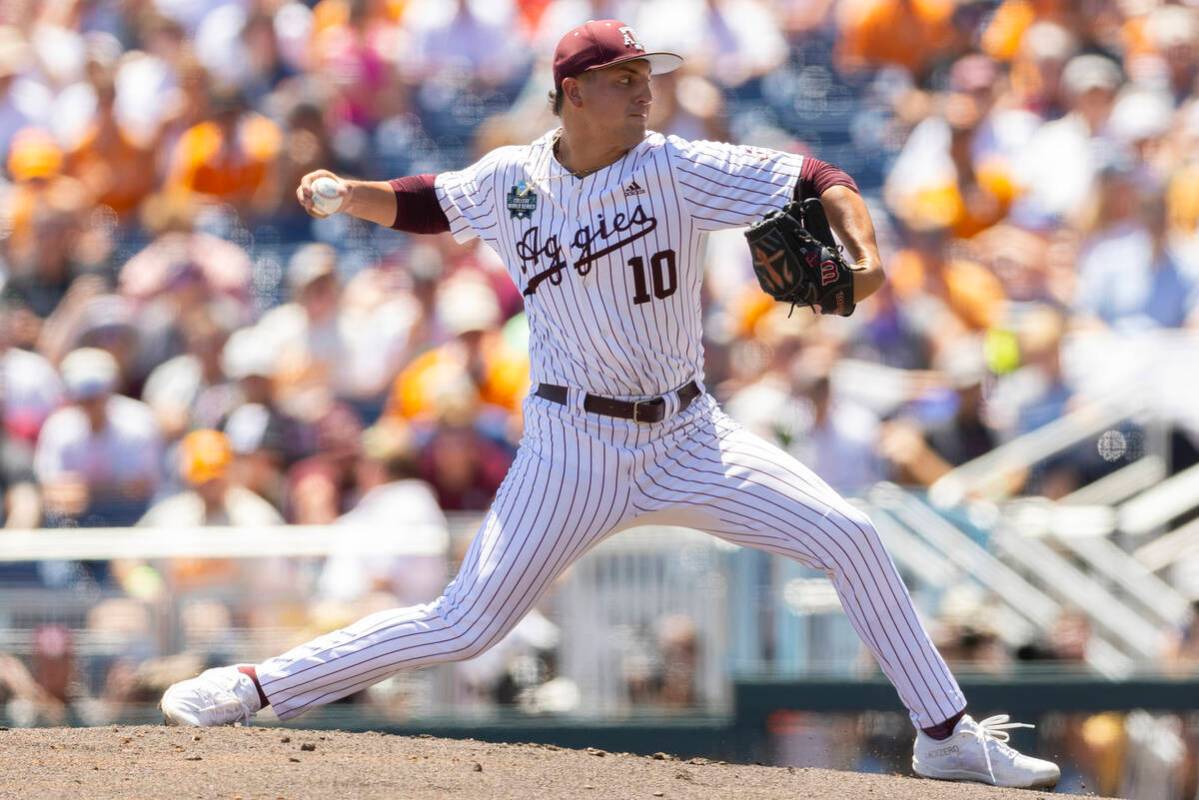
x: 876, y: 269
x: 868, y: 279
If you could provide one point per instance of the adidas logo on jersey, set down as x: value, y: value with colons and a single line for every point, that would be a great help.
x: 633, y: 189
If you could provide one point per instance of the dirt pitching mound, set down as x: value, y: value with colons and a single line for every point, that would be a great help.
x: 180, y: 763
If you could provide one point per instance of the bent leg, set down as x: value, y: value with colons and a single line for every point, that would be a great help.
x: 747, y: 491
x: 545, y: 515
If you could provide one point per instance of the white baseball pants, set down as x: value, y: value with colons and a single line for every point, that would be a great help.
x: 580, y: 477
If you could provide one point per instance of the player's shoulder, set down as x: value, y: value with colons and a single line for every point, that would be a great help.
x: 491, y: 161
x: 707, y: 148
x: 676, y: 142
x: 699, y: 150
x: 508, y: 154
x: 676, y: 148
x: 495, y: 162
x: 672, y: 143
x: 516, y: 154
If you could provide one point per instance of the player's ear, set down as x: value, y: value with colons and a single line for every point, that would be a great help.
x: 573, y: 93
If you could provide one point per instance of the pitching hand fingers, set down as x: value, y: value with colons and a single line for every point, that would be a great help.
x: 304, y: 193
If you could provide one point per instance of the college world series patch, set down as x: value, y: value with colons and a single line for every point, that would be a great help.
x: 521, y: 201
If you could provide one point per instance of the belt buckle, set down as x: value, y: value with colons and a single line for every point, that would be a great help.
x: 637, y: 406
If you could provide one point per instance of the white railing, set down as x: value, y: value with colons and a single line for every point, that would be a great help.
x: 1119, y: 623
x: 1040, y: 604
x: 1121, y: 484
x: 1085, y: 531
x: 289, y: 541
x: 1170, y: 548
x: 932, y: 567
x: 1117, y: 376
x: 988, y: 476
x: 607, y: 608
x: 967, y: 555
x: 1152, y: 509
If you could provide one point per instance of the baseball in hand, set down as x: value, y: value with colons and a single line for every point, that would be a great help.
x: 326, y: 195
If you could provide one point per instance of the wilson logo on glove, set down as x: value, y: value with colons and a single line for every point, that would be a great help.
x: 797, y: 261
x: 829, y: 270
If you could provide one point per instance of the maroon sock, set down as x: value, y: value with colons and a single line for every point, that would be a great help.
x: 248, y: 669
x: 944, y: 729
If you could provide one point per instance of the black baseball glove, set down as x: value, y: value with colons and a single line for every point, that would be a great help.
x: 798, y: 261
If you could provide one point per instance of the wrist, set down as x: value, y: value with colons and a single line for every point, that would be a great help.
x: 349, y: 203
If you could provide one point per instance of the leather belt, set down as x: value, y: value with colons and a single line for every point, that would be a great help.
x: 652, y: 410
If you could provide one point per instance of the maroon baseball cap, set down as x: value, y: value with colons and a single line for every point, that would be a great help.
x: 602, y: 43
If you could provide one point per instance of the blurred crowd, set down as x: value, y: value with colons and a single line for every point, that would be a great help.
x: 1039, y: 178
x: 181, y: 346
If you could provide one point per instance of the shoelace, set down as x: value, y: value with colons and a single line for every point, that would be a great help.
x: 996, y: 728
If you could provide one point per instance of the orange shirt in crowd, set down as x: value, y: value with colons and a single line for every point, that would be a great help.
x: 972, y: 292
x: 34, y: 163
x: 118, y: 172
x: 883, y: 31
x: 1182, y: 200
x: 1001, y: 38
x: 418, y: 389
x: 944, y: 205
x: 204, y: 163
x: 330, y: 14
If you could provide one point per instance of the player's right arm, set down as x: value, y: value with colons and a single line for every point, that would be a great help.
x: 461, y: 202
x: 373, y: 201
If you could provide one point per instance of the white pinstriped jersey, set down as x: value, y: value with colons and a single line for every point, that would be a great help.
x: 610, y: 264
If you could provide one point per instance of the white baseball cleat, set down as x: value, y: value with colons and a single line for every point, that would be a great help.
x: 978, y: 751
x: 221, y: 696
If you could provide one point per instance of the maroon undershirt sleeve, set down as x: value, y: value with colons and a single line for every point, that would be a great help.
x: 816, y: 176
x: 417, y: 209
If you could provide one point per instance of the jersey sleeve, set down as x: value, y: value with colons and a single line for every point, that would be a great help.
x: 468, y: 196
x: 729, y: 185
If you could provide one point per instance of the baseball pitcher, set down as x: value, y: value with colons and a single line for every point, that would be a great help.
x: 602, y: 225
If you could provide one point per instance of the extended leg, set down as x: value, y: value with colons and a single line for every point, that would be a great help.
x: 545, y: 515
x: 751, y: 493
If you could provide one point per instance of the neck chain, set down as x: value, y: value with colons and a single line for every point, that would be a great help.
x: 582, y: 174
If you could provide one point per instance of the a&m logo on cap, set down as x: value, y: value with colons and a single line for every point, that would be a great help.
x: 630, y: 38
x: 521, y: 201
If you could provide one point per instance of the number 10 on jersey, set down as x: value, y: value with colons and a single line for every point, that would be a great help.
x: 663, y: 275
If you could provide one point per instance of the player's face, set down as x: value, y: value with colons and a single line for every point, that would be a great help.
x: 618, y: 98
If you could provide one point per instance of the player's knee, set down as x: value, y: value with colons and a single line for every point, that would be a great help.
x: 476, y: 646
x: 856, y: 526
x: 481, y: 636
x: 472, y: 634
x: 859, y: 541
x: 860, y: 520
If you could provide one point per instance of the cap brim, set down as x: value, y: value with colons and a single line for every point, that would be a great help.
x: 659, y: 62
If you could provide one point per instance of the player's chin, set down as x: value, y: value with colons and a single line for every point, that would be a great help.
x: 636, y: 125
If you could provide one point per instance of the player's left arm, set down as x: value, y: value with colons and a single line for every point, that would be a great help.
x: 849, y: 218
